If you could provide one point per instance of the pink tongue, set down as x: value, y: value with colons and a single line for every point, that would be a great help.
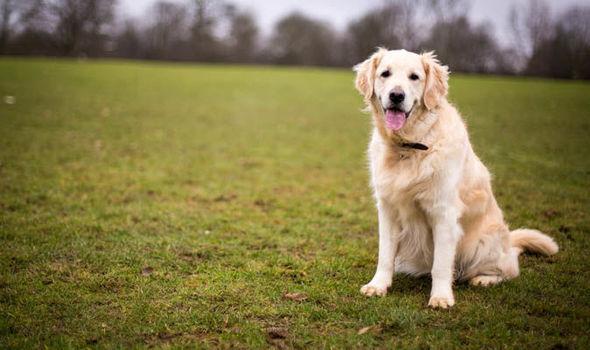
x: 394, y: 120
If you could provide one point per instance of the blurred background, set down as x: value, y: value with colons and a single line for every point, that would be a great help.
x: 226, y: 205
x: 513, y: 37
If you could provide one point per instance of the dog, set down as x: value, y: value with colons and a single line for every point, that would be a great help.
x: 437, y: 213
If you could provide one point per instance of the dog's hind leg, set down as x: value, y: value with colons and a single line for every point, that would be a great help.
x: 520, y: 240
x: 485, y: 281
x: 504, y: 268
x: 489, y: 259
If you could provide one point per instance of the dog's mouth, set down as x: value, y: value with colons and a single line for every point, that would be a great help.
x: 395, y: 118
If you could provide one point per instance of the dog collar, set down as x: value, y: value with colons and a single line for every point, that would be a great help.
x: 414, y: 145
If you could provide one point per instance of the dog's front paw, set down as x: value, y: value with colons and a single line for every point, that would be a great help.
x: 372, y: 289
x: 442, y: 302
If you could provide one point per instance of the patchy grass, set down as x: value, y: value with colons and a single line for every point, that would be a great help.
x: 169, y: 205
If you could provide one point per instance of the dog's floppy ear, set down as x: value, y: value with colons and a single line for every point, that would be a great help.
x: 365, y: 74
x: 437, y: 80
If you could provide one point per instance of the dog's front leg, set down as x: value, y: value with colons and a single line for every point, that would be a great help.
x: 446, y: 233
x: 388, y: 237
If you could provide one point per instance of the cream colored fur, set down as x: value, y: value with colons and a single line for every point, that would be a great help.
x: 437, y: 213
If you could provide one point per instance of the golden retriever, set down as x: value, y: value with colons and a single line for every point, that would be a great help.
x: 437, y: 213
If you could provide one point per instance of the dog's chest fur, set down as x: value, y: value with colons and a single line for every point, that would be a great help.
x: 400, y: 182
x: 398, y: 176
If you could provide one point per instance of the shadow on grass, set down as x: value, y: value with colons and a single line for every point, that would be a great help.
x: 406, y: 284
x: 419, y: 285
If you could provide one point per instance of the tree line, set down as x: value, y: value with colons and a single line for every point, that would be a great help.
x: 542, y: 43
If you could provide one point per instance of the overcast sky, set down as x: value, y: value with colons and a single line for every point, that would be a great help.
x: 340, y: 12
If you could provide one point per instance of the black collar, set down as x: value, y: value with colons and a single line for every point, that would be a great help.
x: 414, y: 145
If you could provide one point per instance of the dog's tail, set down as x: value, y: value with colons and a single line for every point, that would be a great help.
x: 525, y: 239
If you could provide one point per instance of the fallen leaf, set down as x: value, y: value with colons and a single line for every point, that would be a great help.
x: 372, y: 329
x: 91, y: 340
x: 550, y: 213
x: 260, y: 203
x: 146, y: 271
x: 224, y: 198
x: 364, y: 330
x: 249, y: 163
x: 168, y: 336
x: 295, y: 296
x: 279, y: 344
x: 277, y: 332
x: 9, y: 100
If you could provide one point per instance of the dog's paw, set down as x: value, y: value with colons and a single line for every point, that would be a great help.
x: 372, y: 289
x: 485, y: 281
x: 437, y: 302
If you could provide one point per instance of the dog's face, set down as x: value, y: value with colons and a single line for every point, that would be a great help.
x: 398, y: 84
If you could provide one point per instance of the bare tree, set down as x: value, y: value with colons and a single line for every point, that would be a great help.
x: 31, y: 30
x: 376, y: 28
x: 576, y: 25
x: 79, y: 24
x: 128, y: 41
x: 33, y: 15
x: 167, y: 31
x: 461, y: 44
x: 565, y: 53
x: 531, y: 25
x: 471, y: 48
x: 7, y: 10
x: 14, y: 16
x: 393, y: 24
x: 216, y: 31
x: 100, y: 15
x: 243, y: 36
x: 204, y: 44
x: 298, y: 39
x: 407, y: 26
x: 447, y: 16
x: 448, y: 10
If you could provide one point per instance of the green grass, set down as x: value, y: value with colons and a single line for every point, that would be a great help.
x: 174, y: 205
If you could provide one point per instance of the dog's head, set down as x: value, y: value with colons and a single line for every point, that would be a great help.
x: 397, y: 85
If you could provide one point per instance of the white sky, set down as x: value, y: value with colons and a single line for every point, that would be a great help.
x: 340, y: 12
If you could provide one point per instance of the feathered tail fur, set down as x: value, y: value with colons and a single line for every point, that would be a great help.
x: 533, y: 241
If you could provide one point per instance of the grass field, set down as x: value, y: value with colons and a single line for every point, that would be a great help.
x: 174, y: 205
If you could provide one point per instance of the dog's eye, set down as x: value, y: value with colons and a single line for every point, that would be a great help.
x: 414, y: 76
x: 385, y: 74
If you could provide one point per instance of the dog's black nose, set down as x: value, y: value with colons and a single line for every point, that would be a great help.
x: 397, y: 97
